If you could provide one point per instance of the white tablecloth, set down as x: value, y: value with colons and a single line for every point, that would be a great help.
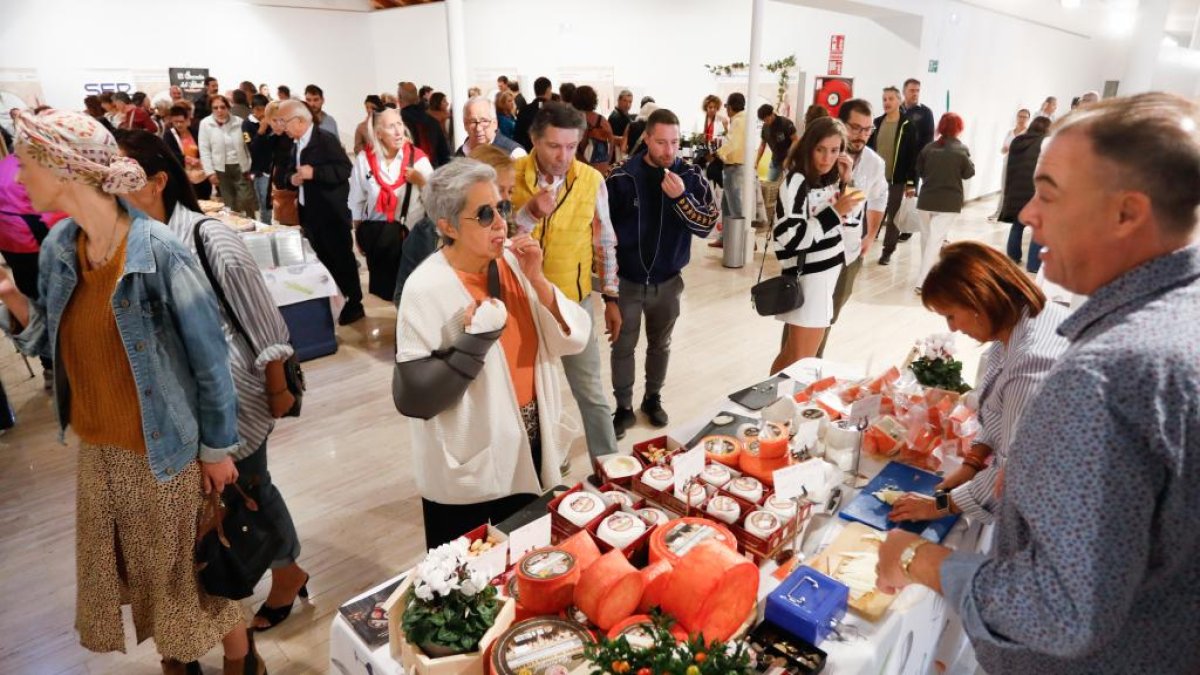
x: 915, y: 631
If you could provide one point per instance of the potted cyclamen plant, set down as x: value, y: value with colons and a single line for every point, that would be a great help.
x: 935, y: 365
x: 450, y: 613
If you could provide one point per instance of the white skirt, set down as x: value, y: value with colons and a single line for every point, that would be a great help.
x: 817, y: 310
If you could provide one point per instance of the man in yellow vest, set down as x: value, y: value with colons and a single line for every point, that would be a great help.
x: 563, y: 203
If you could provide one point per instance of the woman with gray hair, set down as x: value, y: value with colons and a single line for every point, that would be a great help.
x: 478, y: 333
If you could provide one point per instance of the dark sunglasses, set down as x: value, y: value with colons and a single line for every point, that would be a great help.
x: 486, y: 215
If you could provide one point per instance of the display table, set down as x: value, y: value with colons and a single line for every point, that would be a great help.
x: 905, y: 640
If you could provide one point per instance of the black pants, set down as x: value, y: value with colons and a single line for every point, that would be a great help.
x: 334, y: 245
x: 892, y: 236
x: 447, y: 522
x: 252, y: 471
x: 24, y: 268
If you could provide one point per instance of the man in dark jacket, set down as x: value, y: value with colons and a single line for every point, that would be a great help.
x: 658, y: 203
x: 1023, y: 155
x: 895, y: 140
x: 321, y: 170
x: 541, y: 92
x: 260, y: 141
x: 918, y: 113
x: 426, y: 131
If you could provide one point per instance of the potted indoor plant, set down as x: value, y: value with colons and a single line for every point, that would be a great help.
x: 935, y: 365
x: 449, y: 614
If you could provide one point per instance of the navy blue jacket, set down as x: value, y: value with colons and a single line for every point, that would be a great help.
x: 654, y: 232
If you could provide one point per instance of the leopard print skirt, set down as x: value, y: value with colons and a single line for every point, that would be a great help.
x: 134, y: 545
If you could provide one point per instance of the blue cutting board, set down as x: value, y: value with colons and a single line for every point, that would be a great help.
x: 869, y: 511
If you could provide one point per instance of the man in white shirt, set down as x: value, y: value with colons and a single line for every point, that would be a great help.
x: 479, y: 118
x: 864, y: 170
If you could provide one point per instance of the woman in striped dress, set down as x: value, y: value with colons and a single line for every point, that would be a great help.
x: 256, y: 364
x: 813, y: 202
x: 986, y: 296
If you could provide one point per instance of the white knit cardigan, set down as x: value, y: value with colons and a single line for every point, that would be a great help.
x: 477, y: 450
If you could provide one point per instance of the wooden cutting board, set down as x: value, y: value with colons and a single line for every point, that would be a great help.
x: 855, y: 538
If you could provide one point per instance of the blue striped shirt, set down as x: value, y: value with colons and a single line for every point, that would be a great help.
x: 1013, y: 374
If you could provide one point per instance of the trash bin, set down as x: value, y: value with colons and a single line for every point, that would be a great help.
x: 734, y: 237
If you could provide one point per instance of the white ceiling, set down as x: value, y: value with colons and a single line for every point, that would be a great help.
x: 1094, y: 17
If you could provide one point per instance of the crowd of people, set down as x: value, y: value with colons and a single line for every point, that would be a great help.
x: 507, y: 254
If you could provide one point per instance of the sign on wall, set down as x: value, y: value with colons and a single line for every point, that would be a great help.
x: 837, y: 49
x: 190, y: 80
x: 97, y: 81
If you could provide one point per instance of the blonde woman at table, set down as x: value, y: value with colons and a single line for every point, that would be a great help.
x: 984, y: 295
x: 385, y: 196
x: 480, y: 378
x: 258, y: 345
x: 809, y: 214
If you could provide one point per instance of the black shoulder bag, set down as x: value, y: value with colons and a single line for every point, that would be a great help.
x: 781, y: 294
x: 382, y: 242
x: 235, y: 543
x: 292, y: 373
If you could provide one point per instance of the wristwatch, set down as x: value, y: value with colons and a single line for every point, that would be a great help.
x: 909, y: 554
x: 941, y: 499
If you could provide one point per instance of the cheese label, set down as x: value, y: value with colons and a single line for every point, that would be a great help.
x: 687, y: 536
x: 621, y: 522
x: 541, y: 647
x: 547, y: 564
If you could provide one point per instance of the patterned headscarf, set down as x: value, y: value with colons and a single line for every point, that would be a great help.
x: 78, y: 148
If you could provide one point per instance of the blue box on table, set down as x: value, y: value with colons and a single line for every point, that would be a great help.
x: 808, y: 604
x: 310, y: 325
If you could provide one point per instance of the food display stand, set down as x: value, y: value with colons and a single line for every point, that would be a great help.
x: 904, y: 633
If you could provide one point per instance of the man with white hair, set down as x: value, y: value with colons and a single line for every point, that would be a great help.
x: 479, y: 118
x: 321, y: 170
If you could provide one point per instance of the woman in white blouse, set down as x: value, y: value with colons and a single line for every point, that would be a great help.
x: 385, y: 196
x: 986, y: 296
x: 225, y: 159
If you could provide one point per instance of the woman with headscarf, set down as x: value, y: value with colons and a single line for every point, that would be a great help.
x: 258, y: 347
x: 385, y: 196
x: 143, y: 379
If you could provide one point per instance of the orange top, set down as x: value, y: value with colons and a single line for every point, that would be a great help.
x: 105, y: 409
x: 519, y: 339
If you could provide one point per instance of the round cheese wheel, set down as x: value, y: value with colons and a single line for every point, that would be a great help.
x: 583, y: 547
x: 621, y: 529
x: 653, y: 516
x: 659, y: 477
x: 637, y: 629
x: 609, y: 591
x: 723, y: 449
x: 541, y: 645
x: 784, y: 508
x: 773, y: 441
x: 746, y: 487
x: 762, y: 469
x: 716, y: 475
x: 581, y: 508
x: 763, y: 524
x: 712, y: 591
x: 696, y: 494
x: 674, y: 539
x: 655, y: 577
x: 618, y: 497
x: 621, y: 466
x: 546, y: 579
x: 724, y: 508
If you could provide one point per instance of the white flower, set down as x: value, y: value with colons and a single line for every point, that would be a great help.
x: 422, y: 591
x: 474, y: 583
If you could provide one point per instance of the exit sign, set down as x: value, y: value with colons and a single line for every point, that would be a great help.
x: 933, y: 65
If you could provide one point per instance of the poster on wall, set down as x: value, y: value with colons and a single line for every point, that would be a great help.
x: 831, y: 92
x: 190, y: 80
x: 152, y: 82
x: 600, y: 78
x: 21, y: 89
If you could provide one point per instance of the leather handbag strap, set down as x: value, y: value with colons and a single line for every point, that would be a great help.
x: 202, y: 254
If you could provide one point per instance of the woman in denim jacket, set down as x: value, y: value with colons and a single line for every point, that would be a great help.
x: 142, y: 376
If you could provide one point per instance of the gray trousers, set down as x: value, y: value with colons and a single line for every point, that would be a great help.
x: 891, y: 235
x: 236, y: 191
x: 583, y: 375
x: 252, y: 471
x: 841, y: 293
x: 660, y: 304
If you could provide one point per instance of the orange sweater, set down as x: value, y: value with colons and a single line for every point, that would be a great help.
x: 104, y: 399
x: 519, y: 339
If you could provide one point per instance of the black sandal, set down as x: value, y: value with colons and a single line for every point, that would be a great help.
x: 277, y: 615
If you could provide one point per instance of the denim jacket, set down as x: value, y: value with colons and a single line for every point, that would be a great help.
x: 171, y: 329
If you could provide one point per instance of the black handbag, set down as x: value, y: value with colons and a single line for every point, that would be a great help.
x: 293, y: 374
x: 235, y: 543
x: 382, y: 244
x: 780, y: 294
x: 715, y: 171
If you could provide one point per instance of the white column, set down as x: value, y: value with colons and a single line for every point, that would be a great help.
x: 750, y: 175
x: 457, y: 36
x: 1146, y: 43
x: 1195, y: 43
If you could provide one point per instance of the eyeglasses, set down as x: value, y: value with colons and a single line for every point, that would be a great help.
x: 479, y: 122
x: 486, y: 215
x: 861, y: 130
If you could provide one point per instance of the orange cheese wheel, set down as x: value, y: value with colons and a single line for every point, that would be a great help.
x: 673, y: 539
x: 712, y: 591
x: 610, y: 590
x: 583, y: 547
x: 546, y: 579
x: 644, y: 621
x: 773, y: 441
x: 717, y: 443
x: 654, y: 577
x: 763, y: 469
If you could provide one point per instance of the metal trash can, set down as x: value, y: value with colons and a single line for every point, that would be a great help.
x: 735, y: 242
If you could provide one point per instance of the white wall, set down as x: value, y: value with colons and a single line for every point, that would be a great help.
x: 234, y: 41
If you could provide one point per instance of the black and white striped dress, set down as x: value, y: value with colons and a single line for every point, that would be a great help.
x: 807, y: 226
